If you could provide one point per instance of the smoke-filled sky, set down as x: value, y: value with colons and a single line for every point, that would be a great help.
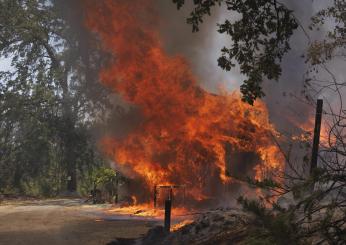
x: 203, y: 48
x: 288, y: 109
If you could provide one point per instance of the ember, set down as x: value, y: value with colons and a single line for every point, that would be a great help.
x: 146, y: 210
x: 181, y: 224
x: 182, y: 137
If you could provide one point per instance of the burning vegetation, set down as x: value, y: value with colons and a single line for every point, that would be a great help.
x: 173, y: 144
x: 187, y: 134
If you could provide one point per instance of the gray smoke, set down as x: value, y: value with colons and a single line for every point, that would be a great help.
x: 201, y: 48
x: 287, y: 107
x: 284, y: 99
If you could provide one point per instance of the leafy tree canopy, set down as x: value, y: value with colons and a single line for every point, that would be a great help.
x: 50, y: 97
x: 260, y: 31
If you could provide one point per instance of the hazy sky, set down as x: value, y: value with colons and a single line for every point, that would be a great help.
x: 203, y: 48
x: 4, y: 64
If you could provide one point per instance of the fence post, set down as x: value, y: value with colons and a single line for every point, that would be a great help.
x: 316, y: 140
x: 168, y: 207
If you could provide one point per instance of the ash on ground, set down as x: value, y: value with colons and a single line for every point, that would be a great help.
x: 219, y: 226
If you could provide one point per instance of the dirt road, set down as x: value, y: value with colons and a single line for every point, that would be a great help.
x: 64, y: 221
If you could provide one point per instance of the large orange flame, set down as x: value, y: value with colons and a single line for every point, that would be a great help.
x: 181, y: 139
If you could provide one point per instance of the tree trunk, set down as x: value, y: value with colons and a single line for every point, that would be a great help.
x: 68, y: 134
x: 70, y: 147
x: 69, y: 139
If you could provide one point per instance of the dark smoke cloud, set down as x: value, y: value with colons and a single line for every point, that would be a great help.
x: 202, y: 50
x: 281, y: 95
x: 287, y: 106
x: 121, y: 117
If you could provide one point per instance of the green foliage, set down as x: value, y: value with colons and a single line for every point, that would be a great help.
x: 265, y: 183
x: 50, y: 97
x: 260, y: 38
x: 107, y: 180
x: 324, y: 208
x: 270, y: 227
x: 334, y: 44
x: 260, y: 33
x: 104, y: 176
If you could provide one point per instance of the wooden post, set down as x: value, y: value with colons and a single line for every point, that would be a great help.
x: 317, y: 131
x: 171, y: 194
x: 155, y: 196
x: 168, y: 206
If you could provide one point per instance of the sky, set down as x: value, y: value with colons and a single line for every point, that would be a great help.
x: 5, y: 64
x: 203, y: 48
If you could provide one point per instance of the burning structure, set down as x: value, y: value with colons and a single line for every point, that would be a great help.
x: 181, y: 139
